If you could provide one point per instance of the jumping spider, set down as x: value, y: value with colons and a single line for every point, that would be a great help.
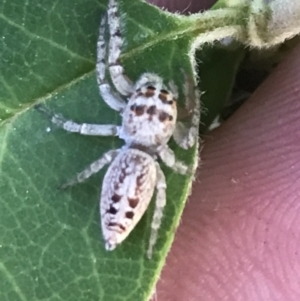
x: 149, y: 119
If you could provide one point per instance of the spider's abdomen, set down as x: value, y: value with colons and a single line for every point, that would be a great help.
x: 150, y: 117
x: 127, y: 190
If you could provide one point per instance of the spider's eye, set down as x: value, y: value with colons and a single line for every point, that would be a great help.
x: 151, y: 88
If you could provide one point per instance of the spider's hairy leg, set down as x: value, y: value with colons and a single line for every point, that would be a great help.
x: 159, y: 207
x: 81, y: 128
x: 111, y: 98
x: 101, y: 52
x: 187, y: 135
x: 168, y: 157
x: 91, y: 169
x: 122, y: 83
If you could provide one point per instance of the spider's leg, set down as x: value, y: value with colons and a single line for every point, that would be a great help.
x: 91, y: 169
x: 111, y: 98
x: 187, y: 135
x: 160, y: 203
x: 168, y: 157
x: 118, y: 77
x: 81, y: 128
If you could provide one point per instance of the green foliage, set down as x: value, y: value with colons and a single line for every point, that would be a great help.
x: 217, y: 69
x: 50, y: 242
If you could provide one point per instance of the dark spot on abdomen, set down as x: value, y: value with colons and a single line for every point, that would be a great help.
x: 112, y: 210
x: 116, y: 198
x: 139, y: 110
x: 151, y: 110
x: 129, y: 214
x: 111, y: 224
x: 163, y: 116
x: 133, y: 202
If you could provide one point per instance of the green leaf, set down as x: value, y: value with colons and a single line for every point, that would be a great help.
x: 218, y: 67
x: 50, y: 244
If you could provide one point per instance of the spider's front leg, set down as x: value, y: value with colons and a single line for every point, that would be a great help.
x: 111, y: 98
x: 186, y: 135
x: 122, y: 83
x: 83, y: 128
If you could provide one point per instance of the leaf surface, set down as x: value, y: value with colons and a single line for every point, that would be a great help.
x: 50, y: 243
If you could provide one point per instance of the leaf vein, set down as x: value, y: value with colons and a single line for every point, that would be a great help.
x: 93, y: 260
x: 11, y: 279
x: 48, y: 41
x: 3, y: 147
x: 9, y: 89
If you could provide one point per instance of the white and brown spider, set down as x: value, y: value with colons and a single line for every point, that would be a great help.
x: 149, y: 119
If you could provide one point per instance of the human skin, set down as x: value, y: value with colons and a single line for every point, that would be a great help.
x: 239, y: 238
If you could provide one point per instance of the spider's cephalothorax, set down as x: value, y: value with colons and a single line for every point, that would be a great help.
x: 150, y: 115
x: 149, y: 120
